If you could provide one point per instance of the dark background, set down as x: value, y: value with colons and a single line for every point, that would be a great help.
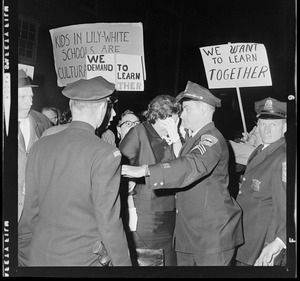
x: 173, y: 33
x: 174, y: 30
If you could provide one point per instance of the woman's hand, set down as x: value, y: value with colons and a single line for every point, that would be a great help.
x: 171, y: 127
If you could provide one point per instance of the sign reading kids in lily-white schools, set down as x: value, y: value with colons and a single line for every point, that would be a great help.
x: 236, y: 65
x: 112, y: 50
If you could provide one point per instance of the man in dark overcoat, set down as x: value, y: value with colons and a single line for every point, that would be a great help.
x: 31, y: 125
x: 72, y: 203
x: 208, y: 221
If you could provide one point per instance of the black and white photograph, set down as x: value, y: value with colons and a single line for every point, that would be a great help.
x: 149, y: 138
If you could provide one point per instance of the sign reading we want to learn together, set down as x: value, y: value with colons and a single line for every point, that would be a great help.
x: 236, y: 65
x: 112, y: 50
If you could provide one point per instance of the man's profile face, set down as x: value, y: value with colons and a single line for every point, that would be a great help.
x: 25, y: 96
x: 191, y: 114
x: 271, y: 130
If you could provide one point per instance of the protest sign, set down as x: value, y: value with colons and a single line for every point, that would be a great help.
x: 236, y: 65
x: 125, y: 71
x: 71, y: 45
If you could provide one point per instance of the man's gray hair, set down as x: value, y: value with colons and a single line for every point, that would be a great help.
x: 80, y: 105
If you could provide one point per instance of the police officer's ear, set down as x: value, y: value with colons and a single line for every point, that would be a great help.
x: 205, y: 107
x: 101, y: 110
x: 284, y: 127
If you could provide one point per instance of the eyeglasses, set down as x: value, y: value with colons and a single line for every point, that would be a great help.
x: 130, y: 123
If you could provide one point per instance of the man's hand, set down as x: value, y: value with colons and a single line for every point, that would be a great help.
x: 268, y: 254
x: 131, y: 186
x: 133, y: 171
x: 171, y: 128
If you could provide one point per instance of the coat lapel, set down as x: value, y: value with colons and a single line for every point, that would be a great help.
x: 36, y: 128
x: 260, y: 155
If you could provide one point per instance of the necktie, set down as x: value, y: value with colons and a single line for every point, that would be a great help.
x: 20, y: 136
x: 187, y: 135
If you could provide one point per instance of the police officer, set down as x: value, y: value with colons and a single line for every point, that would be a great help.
x: 208, y: 220
x: 262, y: 194
x: 72, y: 202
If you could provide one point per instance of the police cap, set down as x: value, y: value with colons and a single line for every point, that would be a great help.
x: 92, y: 90
x: 270, y: 108
x: 194, y: 91
x: 24, y: 80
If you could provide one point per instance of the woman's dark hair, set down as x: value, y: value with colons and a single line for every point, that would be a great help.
x: 161, y: 107
x: 66, y: 117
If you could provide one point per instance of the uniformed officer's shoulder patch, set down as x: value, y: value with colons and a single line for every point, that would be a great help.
x: 208, y: 140
x: 283, y: 174
x: 117, y: 153
x: 200, y: 147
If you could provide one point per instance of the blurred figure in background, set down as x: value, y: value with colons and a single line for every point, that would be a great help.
x: 128, y: 120
x: 65, y: 119
x: 52, y: 113
x: 66, y: 116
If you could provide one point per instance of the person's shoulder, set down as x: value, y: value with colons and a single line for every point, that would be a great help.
x: 55, y: 129
x: 40, y: 118
x: 212, y: 136
x: 109, y: 137
x: 104, y: 149
x: 280, y: 152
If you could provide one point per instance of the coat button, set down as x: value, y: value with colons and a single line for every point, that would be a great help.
x: 155, y: 184
x: 244, y: 178
x: 176, y: 211
x: 161, y: 183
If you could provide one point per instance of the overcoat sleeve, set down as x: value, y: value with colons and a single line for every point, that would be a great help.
x: 105, y: 176
x: 278, y: 220
x: 186, y: 169
x: 130, y: 146
x: 31, y: 203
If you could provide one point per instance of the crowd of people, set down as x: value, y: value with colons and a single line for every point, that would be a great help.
x: 86, y: 194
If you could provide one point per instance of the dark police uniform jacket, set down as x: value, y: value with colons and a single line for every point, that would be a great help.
x: 262, y: 197
x: 72, y: 199
x: 208, y: 219
x: 142, y: 145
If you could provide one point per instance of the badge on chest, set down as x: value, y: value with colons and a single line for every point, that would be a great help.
x: 255, y: 184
